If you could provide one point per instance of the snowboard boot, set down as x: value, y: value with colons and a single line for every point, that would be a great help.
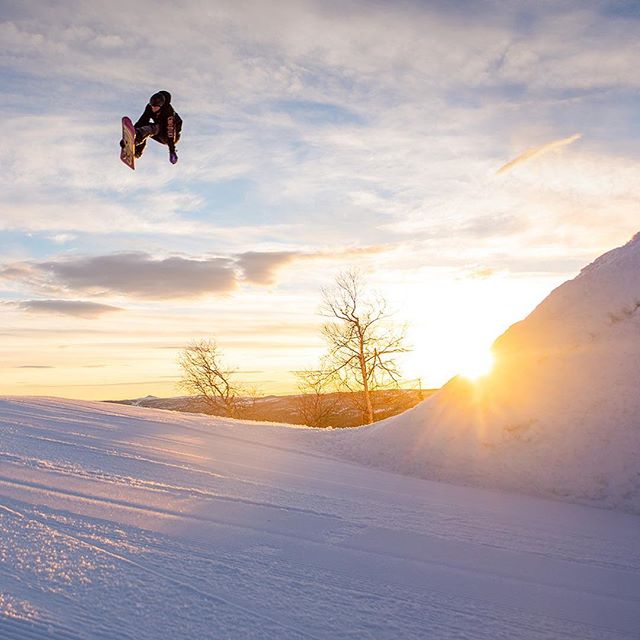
x: 140, y: 148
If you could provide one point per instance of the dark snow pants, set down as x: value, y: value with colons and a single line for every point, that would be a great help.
x: 150, y: 131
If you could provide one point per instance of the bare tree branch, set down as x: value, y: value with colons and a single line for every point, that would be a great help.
x: 317, y: 405
x: 204, y: 375
x: 362, y: 345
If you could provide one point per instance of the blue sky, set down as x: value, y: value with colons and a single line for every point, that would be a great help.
x: 317, y: 136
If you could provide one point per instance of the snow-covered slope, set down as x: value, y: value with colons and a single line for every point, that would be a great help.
x: 559, y: 415
x: 130, y: 523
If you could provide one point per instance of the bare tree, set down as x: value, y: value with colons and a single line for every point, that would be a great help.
x: 362, y: 343
x: 205, y: 375
x: 316, y: 405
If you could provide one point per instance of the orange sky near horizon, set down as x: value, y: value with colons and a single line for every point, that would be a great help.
x: 450, y: 326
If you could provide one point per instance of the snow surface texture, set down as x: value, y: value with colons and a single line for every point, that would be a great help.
x: 558, y: 416
x: 120, y: 522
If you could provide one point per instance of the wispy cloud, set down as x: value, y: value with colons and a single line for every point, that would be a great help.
x: 76, y: 308
x: 535, y: 152
x: 34, y: 366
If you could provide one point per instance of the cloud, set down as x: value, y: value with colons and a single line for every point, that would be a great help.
x: 534, y: 152
x: 140, y: 275
x: 135, y: 274
x: 487, y: 226
x: 63, y: 238
x: 262, y: 267
x: 77, y: 308
x: 277, y: 49
x: 34, y: 366
x: 481, y: 273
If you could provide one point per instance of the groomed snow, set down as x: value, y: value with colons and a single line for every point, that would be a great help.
x: 560, y: 414
x: 119, y: 522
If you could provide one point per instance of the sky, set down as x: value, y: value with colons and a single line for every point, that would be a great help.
x: 467, y: 157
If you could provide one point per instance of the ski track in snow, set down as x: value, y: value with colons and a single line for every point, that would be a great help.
x: 120, y: 522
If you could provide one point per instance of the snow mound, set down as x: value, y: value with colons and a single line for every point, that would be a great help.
x: 558, y: 416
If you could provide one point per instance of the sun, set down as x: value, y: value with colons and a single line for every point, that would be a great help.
x: 476, y: 364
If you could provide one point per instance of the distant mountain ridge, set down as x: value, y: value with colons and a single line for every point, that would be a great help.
x: 285, y: 408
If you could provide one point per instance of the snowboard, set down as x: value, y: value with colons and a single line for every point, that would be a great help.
x: 127, y: 152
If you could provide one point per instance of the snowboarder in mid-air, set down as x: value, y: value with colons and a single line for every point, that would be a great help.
x: 159, y: 121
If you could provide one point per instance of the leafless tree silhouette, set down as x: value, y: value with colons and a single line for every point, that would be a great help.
x: 362, y: 342
x: 316, y: 405
x: 206, y: 376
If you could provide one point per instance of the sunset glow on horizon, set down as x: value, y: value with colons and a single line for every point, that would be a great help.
x: 466, y: 182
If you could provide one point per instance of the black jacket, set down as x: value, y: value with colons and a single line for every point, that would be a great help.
x: 170, y: 122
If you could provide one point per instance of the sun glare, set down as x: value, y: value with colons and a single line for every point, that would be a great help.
x: 476, y: 365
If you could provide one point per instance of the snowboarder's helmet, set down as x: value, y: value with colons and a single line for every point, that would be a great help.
x: 157, y: 100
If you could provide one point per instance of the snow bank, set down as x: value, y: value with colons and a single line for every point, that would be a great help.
x: 560, y: 413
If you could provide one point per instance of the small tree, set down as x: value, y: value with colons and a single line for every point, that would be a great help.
x: 362, y: 344
x: 316, y: 405
x: 205, y: 376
